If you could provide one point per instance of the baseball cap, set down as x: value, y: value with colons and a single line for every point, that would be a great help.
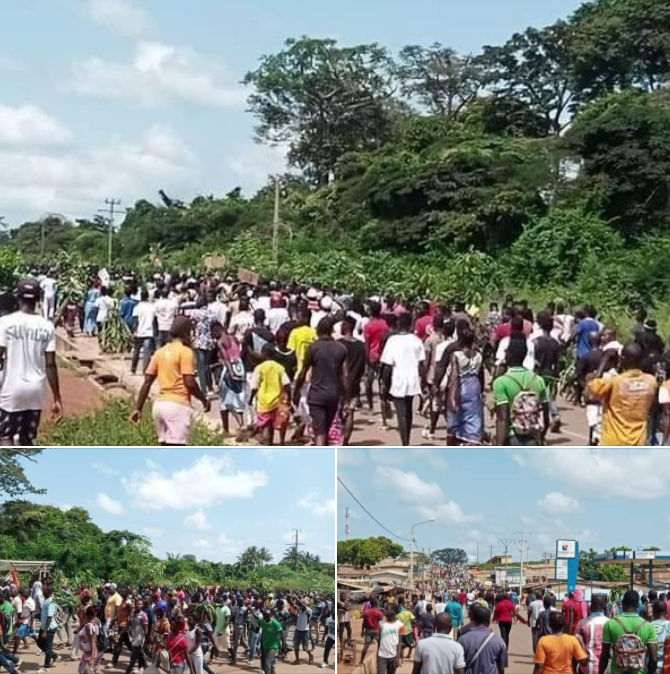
x: 28, y: 289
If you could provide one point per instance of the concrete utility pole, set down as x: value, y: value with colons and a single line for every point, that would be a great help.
x: 506, y: 542
x: 110, y: 211
x: 275, y: 223
x: 523, y: 548
x: 411, y: 549
x: 346, y: 523
x: 295, y: 547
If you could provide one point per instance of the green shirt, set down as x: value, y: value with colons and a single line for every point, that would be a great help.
x: 222, y: 614
x: 7, y: 609
x: 612, y: 631
x: 270, y: 634
x: 508, y: 386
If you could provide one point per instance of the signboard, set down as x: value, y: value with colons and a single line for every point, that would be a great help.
x: 566, y: 549
x: 247, y: 276
x: 645, y: 554
x: 561, y: 571
x: 104, y: 277
x: 214, y: 261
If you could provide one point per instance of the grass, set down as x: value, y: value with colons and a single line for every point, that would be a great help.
x: 111, y: 427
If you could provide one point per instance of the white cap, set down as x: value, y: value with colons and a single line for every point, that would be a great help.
x: 326, y: 303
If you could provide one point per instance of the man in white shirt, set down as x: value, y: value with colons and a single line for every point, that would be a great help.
x: 28, y: 362
x: 534, y: 609
x: 278, y: 314
x: 439, y: 654
x: 403, y: 357
x: 104, y: 305
x: 144, y: 315
x: 242, y: 321
x: 166, y: 310
x: 48, y: 288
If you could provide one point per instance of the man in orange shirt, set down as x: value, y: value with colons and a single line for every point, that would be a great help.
x: 556, y: 652
x: 174, y: 367
x: 627, y: 398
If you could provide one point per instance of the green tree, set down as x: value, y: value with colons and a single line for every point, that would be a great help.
x: 323, y: 100
x: 534, y: 67
x: 613, y: 573
x: 254, y: 557
x: 443, y: 82
x: 450, y: 556
x: 13, y: 479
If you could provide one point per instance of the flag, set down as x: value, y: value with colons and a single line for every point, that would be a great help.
x: 13, y: 578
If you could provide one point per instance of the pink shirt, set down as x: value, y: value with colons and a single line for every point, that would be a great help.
x: 591, y: 631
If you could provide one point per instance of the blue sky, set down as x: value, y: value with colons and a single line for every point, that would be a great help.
x: 118, y: 98
x: 211, y: 503
x: 600, y: 497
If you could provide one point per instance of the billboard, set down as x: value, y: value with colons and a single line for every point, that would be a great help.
x: 561, y: 569
x: 566, y: 549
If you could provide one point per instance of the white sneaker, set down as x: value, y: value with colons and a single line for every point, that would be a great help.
x: 18, y: 664
x: 41, y: 670
x: 323, y: 665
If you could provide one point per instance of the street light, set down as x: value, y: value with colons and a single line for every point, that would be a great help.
x: 411, y: 549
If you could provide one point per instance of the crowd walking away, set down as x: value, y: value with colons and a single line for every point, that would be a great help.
x: 445, y: 630
x: 162, y: 629
x: 293, y: 363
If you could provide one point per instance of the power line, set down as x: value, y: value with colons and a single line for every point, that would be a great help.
x: 369, y: 514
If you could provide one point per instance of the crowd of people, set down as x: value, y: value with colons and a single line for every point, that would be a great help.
x: 164, y: 629
x: 453, y: 634
x: 289, y: 356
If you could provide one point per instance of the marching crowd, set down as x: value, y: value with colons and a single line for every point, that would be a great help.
x: 279, y: 356
x: 163, y: 629
x: 597, y: 637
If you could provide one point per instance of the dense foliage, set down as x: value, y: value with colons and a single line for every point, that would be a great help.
x: 540, y: 165
x: 82, y: 552
x: 366, y: 552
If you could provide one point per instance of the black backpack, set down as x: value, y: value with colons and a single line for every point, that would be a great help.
x: 103, y: 641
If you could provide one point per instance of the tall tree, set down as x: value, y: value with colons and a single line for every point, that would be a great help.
x: 451, y: 556
x: 13, y: 479
x: 323, y: 100
x: 254, y: 557
x: 619, y: 44
x: 441, y: 80
x: 534, y: 67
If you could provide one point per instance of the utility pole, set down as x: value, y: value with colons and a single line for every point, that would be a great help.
x: 295, y: 547
x: 547, y: 556
x: 346, y: 523
x: 477, y: 556
x: 522, y: 548
x: 505, y: 542
x: 275, y: 223
x: 109, y: 211
x: 490, y: 552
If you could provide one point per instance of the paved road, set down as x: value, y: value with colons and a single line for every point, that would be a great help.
x: 520, y: 652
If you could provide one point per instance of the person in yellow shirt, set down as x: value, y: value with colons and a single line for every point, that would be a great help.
x: 301, y: 337
x: 557, y: 651
x: 627, y: 398
x: 174, y: 367
x: 270, y: 388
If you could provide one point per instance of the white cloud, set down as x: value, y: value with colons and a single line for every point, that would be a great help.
x: 318, y: 506
x: 448, y: 512
x: 197, y: 520
x: 74, y: 182
x: 108, y: 504
x: 555, y: 502
x: 122, y: 16
x: 202, y: 543
x: 30, y: 125
x: 65, y: 507
x: 104, y: 469
x: 158, y: 74
x: 254, y: 164
x: 349, y: 457
x: 518, y: 459
x: 214, y: 477
x: 622, y: 470
x: 409, y: 487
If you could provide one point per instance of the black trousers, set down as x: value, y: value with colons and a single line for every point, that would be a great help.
x: 505, y: 629
x: 404, y: 409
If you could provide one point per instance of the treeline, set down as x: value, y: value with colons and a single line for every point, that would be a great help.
x: 83, y: 552
x: 543, y: 163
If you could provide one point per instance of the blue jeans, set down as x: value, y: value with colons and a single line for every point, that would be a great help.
x: 46, y: 644
x: 253, y: 642
x: 8, y: 660
x: 202, y: 360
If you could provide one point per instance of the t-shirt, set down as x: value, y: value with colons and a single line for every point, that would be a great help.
x: 270, y: 631
x: 504, y: 611
x: 422, y: 327
x: 508, y: 386
x: 627, y: 399
x: 404, y: 353
x: 556, y: 652
x: 176, y: 646
x: 139, y: 626
x: 166, y: 310
x: 276, y: 317
x: 427, y: 622
x: 48, y: 286
x: 455, y: 610
x: 327, y: 358
x: 371, y: 618
x: 269, y: 379
x: 662, y: 628
x: 222, y: 615
x: 439, y: 654
x: 374, y: 333
x: 591, y: 631
x: 25, y: 338
x: 49, y: 611
x: 169, y: 364
x: 389, y: 638
x: 355, y: 361
x: 535, y: 608
x: 302, y: 623
x: 613, y: 630
x: 112, y: 605
x: 406, y: 618
x: 492, y: 658
x: 145, y: 312
x: 547, y: 355
x: 104, y: 303
x: 240, y: 323
x: 299, y: 341
x: 584, y: 328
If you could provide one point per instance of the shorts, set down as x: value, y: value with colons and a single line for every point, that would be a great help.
x: 24, y: 631
x: 24, y: 424
x: 371, y: 635
x: 221, y: 641
x: 323, y: 415
x: 271, y: 418
x: 408, y: 640
x: 173, y: 422
x: 302, y: 637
